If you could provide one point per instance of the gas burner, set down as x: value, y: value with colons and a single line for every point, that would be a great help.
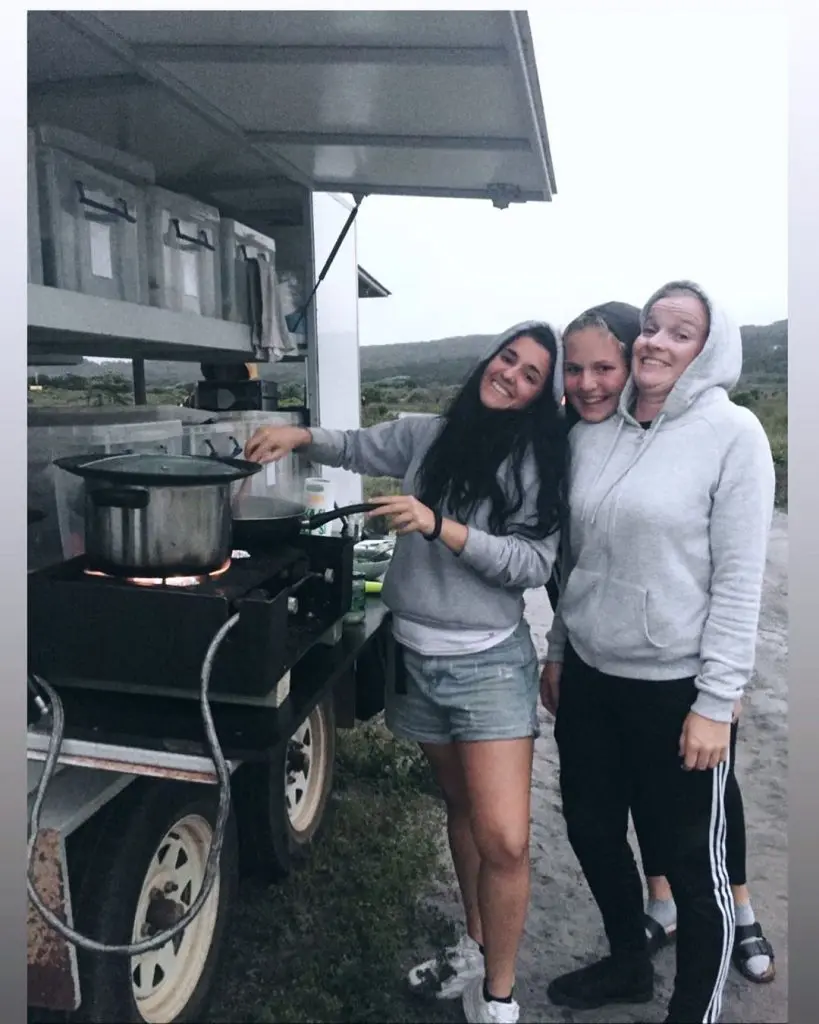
x: 103, y: 631
x: 167, y: 581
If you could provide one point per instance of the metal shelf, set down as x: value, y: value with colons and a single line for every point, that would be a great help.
x: 62, y: 321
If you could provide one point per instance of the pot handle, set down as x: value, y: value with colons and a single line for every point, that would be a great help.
x: 314, y: 522
x: 120, y: 497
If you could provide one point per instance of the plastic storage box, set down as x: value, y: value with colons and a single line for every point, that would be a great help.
x: 227, y: 436
x: 219, y: 439
x: 212, y: 438
x: 184, y: 255
x: 284, y: 479
x: 97, y: 154
x: 58, y: 494
x: 93, y: 228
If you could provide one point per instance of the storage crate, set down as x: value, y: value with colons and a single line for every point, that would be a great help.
x: 227, y: 436
x: 219, y: 439
x: 285, y: 478
x: 35, y: 245
x: 59, y: 494
x: 212, y: 438
x: 97, y: 154
x: 93, y: 227
x: 90, y: 417
x: 184, y: 257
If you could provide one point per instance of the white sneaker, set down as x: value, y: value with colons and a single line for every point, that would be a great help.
x: 478, y: 1011
x: 448, y: 974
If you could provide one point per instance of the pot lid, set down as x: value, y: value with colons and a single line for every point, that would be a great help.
x: 164, y: 465
x: 155, y: 470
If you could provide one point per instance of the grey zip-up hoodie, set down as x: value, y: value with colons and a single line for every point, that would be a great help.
x: 668, y: 533
x: 480, y: 589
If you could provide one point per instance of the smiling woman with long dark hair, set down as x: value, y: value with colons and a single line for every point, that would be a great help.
x: 462, y: 463
x: 478, y: 524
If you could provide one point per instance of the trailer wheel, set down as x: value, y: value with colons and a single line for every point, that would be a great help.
x: 156, y: 846
x: 282, y: 804
x: 308, y: 773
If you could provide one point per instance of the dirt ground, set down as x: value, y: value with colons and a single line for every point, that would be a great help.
x: 564, y: 930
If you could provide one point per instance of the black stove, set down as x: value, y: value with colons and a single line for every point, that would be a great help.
x: 95, y: 631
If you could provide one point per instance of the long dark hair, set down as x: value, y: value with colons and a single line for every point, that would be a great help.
x: 460, y: 468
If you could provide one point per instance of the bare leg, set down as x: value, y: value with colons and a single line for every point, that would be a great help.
x: 447, y: 768
x: 498, y: 780
x: 742, y: 894
x: 658, y: 888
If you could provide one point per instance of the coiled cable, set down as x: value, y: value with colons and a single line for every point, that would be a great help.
x: 57, y: 714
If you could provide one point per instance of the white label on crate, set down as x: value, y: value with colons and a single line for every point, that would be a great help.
x: 190, y: 274
x: 100, y: 238
x: 270, y: 474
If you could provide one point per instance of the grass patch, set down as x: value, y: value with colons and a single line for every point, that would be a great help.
x: 378, y: 486
x: 773, y: 414
x: 332, y: 944
x: 772, y: 409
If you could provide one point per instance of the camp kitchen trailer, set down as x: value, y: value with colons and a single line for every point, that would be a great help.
x: 193, y: 183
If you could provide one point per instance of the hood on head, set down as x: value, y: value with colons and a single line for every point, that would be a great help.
x: 621, y: 318
x: 524, y: 328
x: 719, y: 365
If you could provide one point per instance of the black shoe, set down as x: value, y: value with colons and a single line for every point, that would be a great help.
x: 657, y: 935
x: 607, y: 981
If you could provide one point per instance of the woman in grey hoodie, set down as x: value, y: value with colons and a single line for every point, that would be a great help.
x: 653, y: 643
x: 596, y: 363
x: 478, y: 519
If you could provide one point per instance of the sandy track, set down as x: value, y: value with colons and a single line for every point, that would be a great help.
x: 564, y: 928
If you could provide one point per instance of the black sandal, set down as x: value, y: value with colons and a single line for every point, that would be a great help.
x: 657, y: 935
x: 750, y: 941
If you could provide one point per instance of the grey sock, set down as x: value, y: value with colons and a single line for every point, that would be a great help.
x: 744, y: 916
x: 664, y: 912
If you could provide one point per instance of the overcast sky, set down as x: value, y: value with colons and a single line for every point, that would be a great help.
x: 668, y: 133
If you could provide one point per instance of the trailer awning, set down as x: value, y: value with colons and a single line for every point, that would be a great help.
x: 422, y: 103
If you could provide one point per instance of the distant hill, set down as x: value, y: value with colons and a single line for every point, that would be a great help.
x: 444, y: 361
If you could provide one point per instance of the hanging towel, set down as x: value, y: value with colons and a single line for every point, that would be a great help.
x: 267, y: 319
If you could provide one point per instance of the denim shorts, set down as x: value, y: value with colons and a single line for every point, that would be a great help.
x: 491, y: 695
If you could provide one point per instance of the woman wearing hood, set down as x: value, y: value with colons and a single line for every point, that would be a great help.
x: 597, y: 349
x: 602, y: 338
x: 654, y: 640
x: 478, y: 524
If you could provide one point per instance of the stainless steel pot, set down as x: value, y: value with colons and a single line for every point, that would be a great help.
x: 157, y: 516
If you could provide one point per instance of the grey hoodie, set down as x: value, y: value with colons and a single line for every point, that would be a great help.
x: 668, y: 534
x: 480, y: 589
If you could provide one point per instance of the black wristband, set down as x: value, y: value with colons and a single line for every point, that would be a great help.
x: 436, y: 529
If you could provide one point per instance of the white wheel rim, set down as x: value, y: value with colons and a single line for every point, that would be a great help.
x: 305, y: 770
x: 164, y: 980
